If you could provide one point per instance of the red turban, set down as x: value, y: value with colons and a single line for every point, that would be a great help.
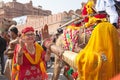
x: 100, y: 16
x: 27, y: 29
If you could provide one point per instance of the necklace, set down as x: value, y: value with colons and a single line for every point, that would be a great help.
x: 31, y: 50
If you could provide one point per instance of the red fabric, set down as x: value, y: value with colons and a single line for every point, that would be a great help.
x: 67, y: 68
x: 84, y: 11
x: 27, y: 70
x: 27, y: 29
x: 14, y: 69
x: 75, y: 75
x: 100, y: 15
x: 86, y: 19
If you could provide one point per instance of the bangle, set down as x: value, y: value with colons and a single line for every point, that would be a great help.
x: 19, y: 55
x: 47, y: 43
x: 43, y: 41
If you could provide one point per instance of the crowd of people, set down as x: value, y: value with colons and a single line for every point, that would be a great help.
x: 93, y: 44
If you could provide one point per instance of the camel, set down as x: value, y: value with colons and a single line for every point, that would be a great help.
x: 5, y: 24
x: 99, y: 56
x: 82, y: 41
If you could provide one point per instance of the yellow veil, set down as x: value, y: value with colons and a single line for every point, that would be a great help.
x: 100, y: 59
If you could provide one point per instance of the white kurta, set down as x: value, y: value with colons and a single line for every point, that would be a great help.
x: 108, y: 6
x: 118, y: 0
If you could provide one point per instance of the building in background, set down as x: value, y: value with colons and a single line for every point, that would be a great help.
x: 28, y: 15
x: 16, y: 9
x: 54, y: 21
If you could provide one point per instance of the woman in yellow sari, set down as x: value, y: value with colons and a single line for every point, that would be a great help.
x: 29, y: 58
x: 99, y: 60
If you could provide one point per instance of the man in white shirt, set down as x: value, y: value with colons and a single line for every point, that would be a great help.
x: 109, y: 7
x: 118, y: 0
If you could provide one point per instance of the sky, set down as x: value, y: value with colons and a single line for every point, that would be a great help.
x: 55, y: 6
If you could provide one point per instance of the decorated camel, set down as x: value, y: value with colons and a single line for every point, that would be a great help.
x: 98, y: 60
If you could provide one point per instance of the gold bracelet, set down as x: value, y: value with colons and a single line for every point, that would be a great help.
x: 19, y: 55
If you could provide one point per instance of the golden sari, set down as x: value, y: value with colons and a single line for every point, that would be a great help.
x: 100, y: 59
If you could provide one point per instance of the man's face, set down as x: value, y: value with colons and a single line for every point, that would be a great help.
x: 5, y: 36
x: 12, y: 35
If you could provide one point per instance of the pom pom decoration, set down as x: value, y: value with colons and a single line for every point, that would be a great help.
x: 70, y: 37
x: 89, y: 6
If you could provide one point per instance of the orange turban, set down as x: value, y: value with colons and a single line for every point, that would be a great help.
x: 27, y: 29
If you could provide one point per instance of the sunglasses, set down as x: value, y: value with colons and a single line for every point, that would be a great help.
x: 28, y: 35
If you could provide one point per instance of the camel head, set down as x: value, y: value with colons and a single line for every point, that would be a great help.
x: 6, y: 23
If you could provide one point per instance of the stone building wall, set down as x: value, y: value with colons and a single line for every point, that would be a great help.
x: 53, y: 21
x: 15, y: 9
